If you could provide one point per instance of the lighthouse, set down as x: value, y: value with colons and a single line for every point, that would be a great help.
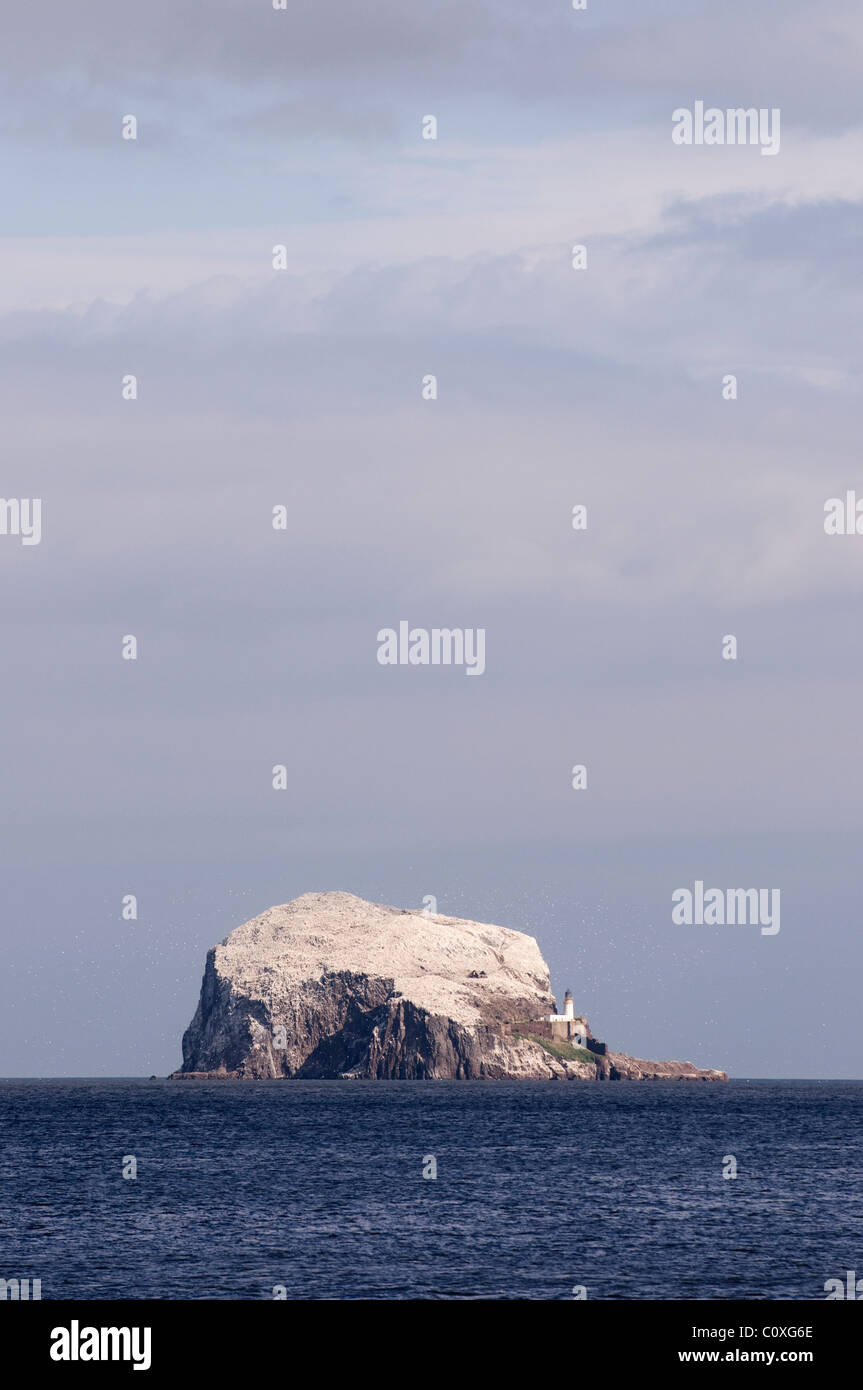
x: 568, y: 1025
x: 563, y: 1025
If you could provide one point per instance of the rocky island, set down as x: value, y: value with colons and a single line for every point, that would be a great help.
x: 330, y: 986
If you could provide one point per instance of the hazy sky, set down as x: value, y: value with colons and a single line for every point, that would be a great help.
x: 302, y: 387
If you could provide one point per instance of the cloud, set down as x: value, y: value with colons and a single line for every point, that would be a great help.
x: 555, y: 387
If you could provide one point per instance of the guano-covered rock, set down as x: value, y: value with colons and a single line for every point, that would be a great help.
x: 332, y: 986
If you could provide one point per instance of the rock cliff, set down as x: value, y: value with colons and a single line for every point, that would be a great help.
x: 331, y: 986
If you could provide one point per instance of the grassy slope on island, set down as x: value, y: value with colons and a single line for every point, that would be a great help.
x: 562, y: 1050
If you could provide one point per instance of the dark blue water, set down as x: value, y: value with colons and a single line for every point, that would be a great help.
x: 318, y: 1186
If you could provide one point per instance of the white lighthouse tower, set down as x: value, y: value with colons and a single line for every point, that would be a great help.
x: 566, y: 1025
x: 562, y: 1024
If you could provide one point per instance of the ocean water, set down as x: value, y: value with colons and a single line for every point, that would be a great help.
x: 540, y: 1187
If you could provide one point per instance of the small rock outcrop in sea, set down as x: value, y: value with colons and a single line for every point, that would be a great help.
x: 331, y: 986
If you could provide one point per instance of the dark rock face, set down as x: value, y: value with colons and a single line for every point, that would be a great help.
x: 399, y: 1041
x: 329, y: 986
x: 325, y: 1030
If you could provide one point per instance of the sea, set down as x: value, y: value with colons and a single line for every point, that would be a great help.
x: 136, y: 1189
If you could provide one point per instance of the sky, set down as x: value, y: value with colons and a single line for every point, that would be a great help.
x: 302, y: 388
